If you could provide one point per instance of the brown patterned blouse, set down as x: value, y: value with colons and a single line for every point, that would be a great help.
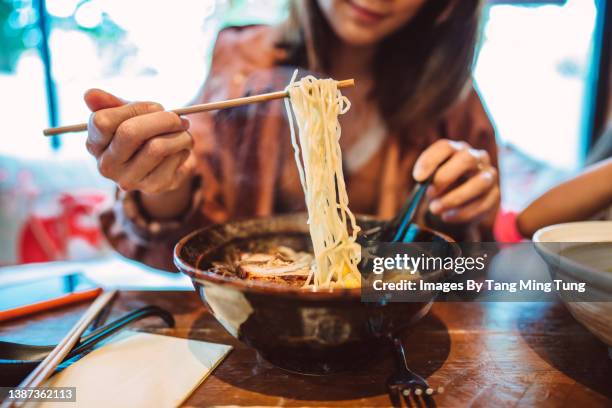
x: 246, y: 166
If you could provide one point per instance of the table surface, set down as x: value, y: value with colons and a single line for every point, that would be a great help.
x: 483, y: 354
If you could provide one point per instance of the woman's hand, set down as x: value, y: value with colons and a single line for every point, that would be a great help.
x: 465, y: 188
x: 138, y: 145
x: 143, y: 148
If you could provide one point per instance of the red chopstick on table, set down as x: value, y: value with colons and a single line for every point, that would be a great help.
x: 49, y: 304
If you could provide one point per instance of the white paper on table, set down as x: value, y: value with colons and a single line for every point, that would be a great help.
x: 139, y: 370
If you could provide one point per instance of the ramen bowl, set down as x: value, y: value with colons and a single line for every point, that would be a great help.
x: 581, y: 252
x: 310, y: 332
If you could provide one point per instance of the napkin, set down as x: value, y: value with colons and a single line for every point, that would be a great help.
x: 139, y: 370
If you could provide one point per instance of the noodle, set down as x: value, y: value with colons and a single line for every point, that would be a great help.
x: 315, y: 104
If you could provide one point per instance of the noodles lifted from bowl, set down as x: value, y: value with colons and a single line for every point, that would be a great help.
x: 315, y: 104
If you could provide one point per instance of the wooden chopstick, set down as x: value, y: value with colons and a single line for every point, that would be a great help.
x: 204, y: 107
x: 50, y: 363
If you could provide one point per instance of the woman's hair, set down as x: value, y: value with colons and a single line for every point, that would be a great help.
x: 419, y: 71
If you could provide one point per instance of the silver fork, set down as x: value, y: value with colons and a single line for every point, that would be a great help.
x: 405, y: 385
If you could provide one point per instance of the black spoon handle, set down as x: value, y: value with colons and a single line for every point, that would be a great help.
x: 412, y: 207
x: 93, y: 338
x: 397, y: 229
x: 100, y: 319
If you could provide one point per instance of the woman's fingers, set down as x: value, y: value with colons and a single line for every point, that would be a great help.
x: 138, y: 145
x: 475, y: 210
x: 433, y: 156
x: 135, y: 132
x: 185, y: 170
x: 97, y: 99
x: 454, y: 161
x: 475, y: 186
x: 103, y: 123
x: 461, y: 163
x: 152, y: 153
x: 162, y: 178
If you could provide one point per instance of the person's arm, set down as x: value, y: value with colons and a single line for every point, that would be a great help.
x: 577, y: 199
x: 146, y: 222
x: 170, y: 204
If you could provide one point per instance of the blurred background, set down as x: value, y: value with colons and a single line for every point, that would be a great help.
x: 543, y: 72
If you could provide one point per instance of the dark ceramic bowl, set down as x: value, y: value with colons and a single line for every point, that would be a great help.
x: 302, y: 331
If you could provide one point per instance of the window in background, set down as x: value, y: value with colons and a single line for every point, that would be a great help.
x: 244, y: 12
x: 140, y: 50
x: 534, y: 73
x: 23, y: 102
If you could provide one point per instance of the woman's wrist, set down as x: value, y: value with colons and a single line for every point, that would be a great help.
x: 145, y: 228
x: 169, y: 205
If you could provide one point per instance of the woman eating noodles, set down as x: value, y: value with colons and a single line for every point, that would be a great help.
x: 414, y: 110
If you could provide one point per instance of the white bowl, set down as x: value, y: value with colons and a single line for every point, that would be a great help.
x: 596, y: 316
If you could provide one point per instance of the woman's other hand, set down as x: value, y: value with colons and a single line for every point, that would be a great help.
x: 141, y: 147
x: 465, y: 187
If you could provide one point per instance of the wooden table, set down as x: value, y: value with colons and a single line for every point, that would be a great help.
x: 483, y: 354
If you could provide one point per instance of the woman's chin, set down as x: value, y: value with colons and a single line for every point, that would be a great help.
x: 357, y: 37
